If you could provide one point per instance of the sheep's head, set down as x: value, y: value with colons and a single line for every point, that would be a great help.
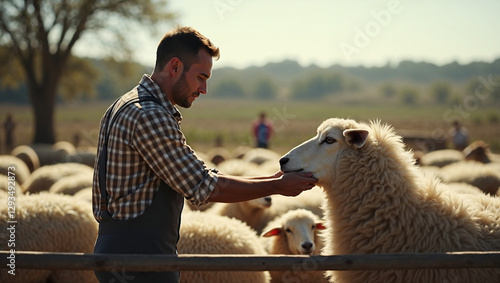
x: 260, y: 203
x: 320, y: 153
x: 299, y: 229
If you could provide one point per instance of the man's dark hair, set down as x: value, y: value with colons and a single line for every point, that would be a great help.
x: 183, y: 43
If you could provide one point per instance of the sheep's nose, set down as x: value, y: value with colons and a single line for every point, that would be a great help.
x: 284, y: 160
x: 307, y: 246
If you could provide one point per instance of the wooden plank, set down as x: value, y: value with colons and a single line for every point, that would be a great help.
x: 109, y: 262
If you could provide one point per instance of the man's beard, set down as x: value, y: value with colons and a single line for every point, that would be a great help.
x: 181, y: 93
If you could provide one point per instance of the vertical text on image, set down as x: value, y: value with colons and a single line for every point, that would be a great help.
x: 11, y: 223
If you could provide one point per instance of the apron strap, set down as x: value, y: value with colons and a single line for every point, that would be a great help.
x: 104, y: 151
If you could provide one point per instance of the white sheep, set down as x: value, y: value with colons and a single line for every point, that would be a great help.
x: 28, y: 155
x: 203, y: 233
x: 70, y: 185
x: 13, y: 166
x: 217, y: 155
x: 5, y: 183
x: 239, y: 167
x: 441, y: 157
x: 463, y: 188
x: 258, y: 212
x: 47, y: 155
x: 240, y: 151
x: 480, y: 151
x: 44, y: 177
x: 379, y: 202
x: 484, y: 176
x: 85, y: 194
x: 296, y: 232
x: 260, y: 155
x: 50, y: 223
x: 83, y: 156
x: 251, y: 212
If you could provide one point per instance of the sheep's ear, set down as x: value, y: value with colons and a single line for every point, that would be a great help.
x: 320, y: 226
x: 356, y: 137
x: 272, y: 232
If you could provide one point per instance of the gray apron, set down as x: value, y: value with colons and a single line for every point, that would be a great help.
x: 156, y: 231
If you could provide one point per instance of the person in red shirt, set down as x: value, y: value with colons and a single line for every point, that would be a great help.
x: 262, y: 131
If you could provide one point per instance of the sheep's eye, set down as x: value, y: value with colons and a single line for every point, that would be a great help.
x: 288, y: 230
x: 329, y: 140
x: 313, y: 226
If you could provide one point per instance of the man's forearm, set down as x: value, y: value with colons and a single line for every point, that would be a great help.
x: 236, y: 189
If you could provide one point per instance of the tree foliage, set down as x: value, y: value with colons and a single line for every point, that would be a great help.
x: 41, y: 35
x: 441, y: 92
x: 319, y: 85
x: 229, y: 88
x: 265, y: 89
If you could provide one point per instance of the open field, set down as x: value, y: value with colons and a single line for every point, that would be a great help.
x: 294, y: 121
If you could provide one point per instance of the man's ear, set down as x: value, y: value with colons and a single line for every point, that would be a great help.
x: 175, y: 67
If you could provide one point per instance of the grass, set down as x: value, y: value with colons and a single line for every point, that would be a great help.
x: 294, y: 121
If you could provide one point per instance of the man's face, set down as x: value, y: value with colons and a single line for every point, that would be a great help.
x: 193, y: 81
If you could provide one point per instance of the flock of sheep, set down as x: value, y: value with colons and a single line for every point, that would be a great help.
x: 373, y: 196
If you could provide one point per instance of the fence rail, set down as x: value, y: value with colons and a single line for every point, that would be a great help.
x: 134, y: 262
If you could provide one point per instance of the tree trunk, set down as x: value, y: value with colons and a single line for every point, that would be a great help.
x: 43, y: 103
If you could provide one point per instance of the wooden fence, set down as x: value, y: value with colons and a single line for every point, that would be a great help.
x: 110, y: 262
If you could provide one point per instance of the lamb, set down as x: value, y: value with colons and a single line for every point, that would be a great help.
x: 203, y: 233
x: 51, y: 223
x: 44, y: 177
x: 296, y: 232
x: 379, y: 202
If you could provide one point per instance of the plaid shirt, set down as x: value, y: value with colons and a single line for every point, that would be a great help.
x: 145, y: 146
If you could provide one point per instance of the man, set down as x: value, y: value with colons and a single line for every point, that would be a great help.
x: 262, y: 131
x: 459, y: 136
x: 145, y: 169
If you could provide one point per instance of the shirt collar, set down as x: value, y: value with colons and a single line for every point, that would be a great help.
x: 149, y: 86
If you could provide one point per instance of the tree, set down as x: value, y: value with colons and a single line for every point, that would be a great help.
x: 42, y: 34
x: 409, y: 95
x: 441, y: 91
x: 265, y: 89
x: 229, y: 88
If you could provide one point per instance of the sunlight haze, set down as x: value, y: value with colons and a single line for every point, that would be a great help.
x: 371, y: 33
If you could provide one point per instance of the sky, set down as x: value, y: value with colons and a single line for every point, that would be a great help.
x: 349, y: 33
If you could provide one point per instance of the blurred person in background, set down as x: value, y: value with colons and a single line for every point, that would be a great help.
x: 262, y: 131
x: 458, y: 136
x: 9, y: 126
